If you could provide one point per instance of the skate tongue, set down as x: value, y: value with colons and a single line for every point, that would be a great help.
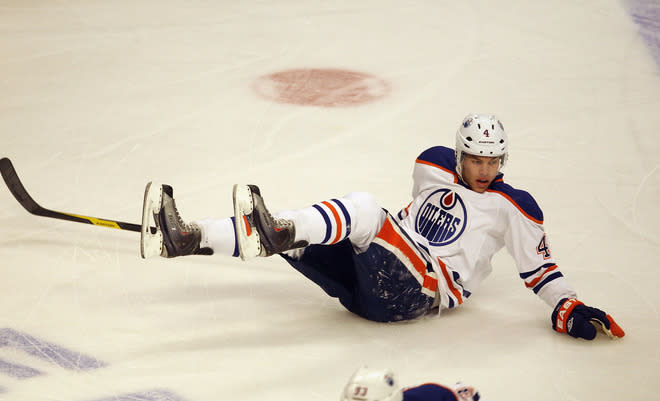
x: 151, y: 243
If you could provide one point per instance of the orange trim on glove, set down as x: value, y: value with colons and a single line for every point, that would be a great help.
x: 564, y: 312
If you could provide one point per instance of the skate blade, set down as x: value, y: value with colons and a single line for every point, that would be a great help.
x: 151, y: 244
x: 248, y: 238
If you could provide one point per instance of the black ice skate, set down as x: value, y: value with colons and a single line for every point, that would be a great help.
x: 172, y: 236
x: 257, y: 231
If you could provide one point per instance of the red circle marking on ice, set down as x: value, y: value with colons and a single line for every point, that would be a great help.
x: 325, y: 87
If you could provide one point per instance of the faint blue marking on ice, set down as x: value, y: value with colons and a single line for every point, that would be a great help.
x: 56, y: 354
x: 646, y: 15
x: 17, y: 370
x: 150, y: 395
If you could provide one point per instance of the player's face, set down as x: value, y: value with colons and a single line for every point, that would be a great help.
x: 479, y: 171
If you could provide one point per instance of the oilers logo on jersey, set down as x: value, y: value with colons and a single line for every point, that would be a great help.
x: 442, y: 217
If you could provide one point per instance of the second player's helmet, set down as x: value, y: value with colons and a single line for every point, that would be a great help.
x: 372, y: 385
x: 481, y: 135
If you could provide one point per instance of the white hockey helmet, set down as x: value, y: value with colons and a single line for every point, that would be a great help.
x: 481, y: 135
x: 372, y: 385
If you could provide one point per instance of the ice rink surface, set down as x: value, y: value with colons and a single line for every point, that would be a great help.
x: 100, y: 97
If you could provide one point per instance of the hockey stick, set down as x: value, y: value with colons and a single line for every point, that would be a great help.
x: 20, y: 193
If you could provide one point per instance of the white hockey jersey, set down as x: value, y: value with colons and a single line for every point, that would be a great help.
x: 460, y: 230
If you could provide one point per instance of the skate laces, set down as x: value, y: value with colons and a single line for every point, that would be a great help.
x: 278, y: 224
x: 182, y: 225
x: 283, y: 223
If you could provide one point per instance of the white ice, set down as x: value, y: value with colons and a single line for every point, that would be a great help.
x: 99, y: 97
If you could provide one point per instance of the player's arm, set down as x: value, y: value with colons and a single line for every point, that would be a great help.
x: 527, y: 242
x: 528, y: 245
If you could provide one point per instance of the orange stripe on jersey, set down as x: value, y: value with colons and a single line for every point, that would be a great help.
x: 392, y: 237
x: 431, y: 283
x: 389, y: 235
x: 440, y: 167
x: 533, y: 283
x: 450, y: 282
x: 516, y: 205
x: 337, y: 220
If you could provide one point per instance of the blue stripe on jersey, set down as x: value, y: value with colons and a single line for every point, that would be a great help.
x: 347, y: 217
x: 457, y: 277
x: 533, y: 272
x: 440, y: 155
x: 328, y: 226
x: 521, y: 198
x: 546, y: 281
x: 426, y: 254
x: 431, y: 391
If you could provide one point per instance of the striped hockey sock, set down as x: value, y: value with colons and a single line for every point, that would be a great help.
x: 337, y: 219
x: 325, y: 223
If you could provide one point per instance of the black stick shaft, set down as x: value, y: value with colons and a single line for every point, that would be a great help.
x: 23, y: 197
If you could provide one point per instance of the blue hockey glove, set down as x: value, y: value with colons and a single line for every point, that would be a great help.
x: 581, y: 321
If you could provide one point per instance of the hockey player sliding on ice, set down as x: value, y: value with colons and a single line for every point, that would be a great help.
x: 432, y: 254
x: 381, y: 385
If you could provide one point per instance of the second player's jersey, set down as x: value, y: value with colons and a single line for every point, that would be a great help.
x: 459, y: 231
x: 439, y: 392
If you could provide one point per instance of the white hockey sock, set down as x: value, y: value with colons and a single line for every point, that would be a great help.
x: 219, y: 235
